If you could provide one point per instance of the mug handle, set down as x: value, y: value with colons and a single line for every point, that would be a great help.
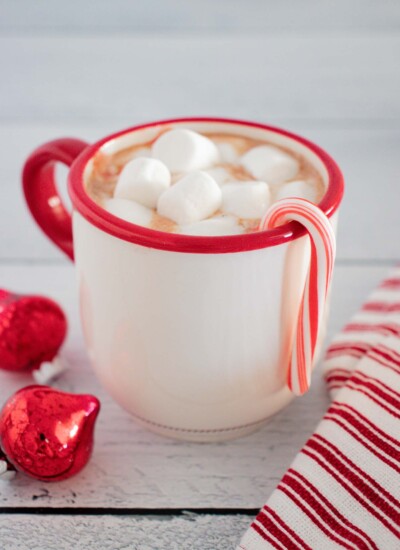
x: 42, y: 197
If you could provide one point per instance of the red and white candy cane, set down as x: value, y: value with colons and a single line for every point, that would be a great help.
x: 323, y: 247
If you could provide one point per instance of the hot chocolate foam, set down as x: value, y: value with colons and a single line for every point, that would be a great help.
x: 200, y: 184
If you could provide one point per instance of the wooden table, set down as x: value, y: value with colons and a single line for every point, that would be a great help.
x: 330, y: 72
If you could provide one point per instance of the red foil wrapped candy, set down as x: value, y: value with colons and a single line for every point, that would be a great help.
x: 32, y: 329
x: 47, y: 433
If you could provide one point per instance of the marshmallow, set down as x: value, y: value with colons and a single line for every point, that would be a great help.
x: 129, y: 211
x: 297, y: 188
x: 194, y: 197
x: 221, y: 225
x: 143, y: 180
x: 184, y: 150
x: 227, y: 153
x: 220, y: 174
x: 270, y: 164
x: 247, y: 199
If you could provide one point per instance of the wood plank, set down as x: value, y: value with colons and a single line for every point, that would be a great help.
x: 132, y: 468
x: 291, y: 15
x: 368, y: 157
x: 305, y: 77
x: 191, y: 531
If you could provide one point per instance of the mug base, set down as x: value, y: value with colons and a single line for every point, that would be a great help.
x: 210, y: 435
x: 201, y: 436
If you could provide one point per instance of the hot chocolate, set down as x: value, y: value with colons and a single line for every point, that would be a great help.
x: 200, y: 184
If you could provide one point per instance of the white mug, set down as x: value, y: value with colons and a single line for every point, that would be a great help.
x: 190, y: 334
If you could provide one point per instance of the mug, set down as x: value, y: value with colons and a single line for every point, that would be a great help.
x: 190, y: 334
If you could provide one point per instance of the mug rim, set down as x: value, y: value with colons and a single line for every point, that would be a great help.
x: 151, y: 238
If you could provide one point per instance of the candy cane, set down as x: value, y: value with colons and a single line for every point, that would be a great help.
x: 323, y: 247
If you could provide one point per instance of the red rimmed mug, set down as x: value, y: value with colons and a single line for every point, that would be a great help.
x: 192, y: 335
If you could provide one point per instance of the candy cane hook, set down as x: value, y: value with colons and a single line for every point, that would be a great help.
x: 323, y: 248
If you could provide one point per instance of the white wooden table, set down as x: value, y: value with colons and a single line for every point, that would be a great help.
x: 81, y: 68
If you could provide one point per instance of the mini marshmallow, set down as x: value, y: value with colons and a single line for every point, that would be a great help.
x: 143, y: 180
x: 185, y: 151
x: 247, y: 199
x: 297, y: 188
x: 129, y: 211
x: 221, y: 225
x: 194, y: 197
x: 220, y: 174
x: 227, y: 153
x: 270, y: 164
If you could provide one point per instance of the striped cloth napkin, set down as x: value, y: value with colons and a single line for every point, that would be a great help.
x: 378, y: 317
x: 343, y: 488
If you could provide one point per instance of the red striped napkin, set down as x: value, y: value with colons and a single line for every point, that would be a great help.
x: 379, y: 317
x: 343, y: 488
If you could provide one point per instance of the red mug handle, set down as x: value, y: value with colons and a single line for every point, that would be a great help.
x: 44, y: 201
